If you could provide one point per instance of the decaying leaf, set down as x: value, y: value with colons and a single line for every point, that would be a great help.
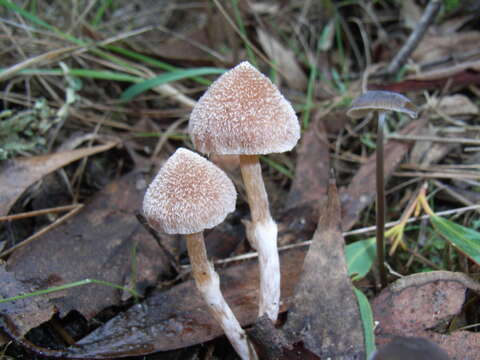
x: 416, y: 303
x: 26, y: 313
x: 435, y: 47
x: 18, y: 174
x: 178, y: 317
x: 98, y: 243
x: 452, y: 105
x: 324, y: 293
x: 311, y: 172
x: 285, y: 59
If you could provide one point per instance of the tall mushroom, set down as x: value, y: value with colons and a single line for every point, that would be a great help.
x: 381, y: 102
x: 190, y: 194
x: 243, y: 113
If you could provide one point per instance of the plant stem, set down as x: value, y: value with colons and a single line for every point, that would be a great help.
x: 381, y: 200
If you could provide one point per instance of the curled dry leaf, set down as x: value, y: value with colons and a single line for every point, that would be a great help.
x: 452, y: 105
x: 18, y: 174
x: 416, y: 303
x: 436, y: 47
x: 285, y: 59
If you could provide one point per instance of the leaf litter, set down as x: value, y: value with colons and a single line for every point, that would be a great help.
x: 109, y: 217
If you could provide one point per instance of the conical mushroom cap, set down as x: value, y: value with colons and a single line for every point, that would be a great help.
x: 243, y: 112
x: 189, y: 194
x: 379, y: 100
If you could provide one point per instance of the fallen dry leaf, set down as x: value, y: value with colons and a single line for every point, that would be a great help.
x: 312, y: 169
x: 285, y: 59
x: 97, y: 244
x: 435, y: 47
x: 416, y: 303
x: 18, y: 174
x: 178, y: 317
x: 324, y: 293
x: 26, y: 313
x: 453, y: 105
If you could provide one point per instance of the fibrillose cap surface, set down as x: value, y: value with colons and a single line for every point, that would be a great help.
x: 243, y: 112
x: 189, y: 194
x: 378, y: 100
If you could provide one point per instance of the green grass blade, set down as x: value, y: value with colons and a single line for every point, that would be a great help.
x: 151, y: 61
x: 367, y: 322
x: 69, y: 286
x: 280, y: 168
x: 146, y: 85
x: 241, y: 26
x: 93, y: 74
x: 360, y: 256
x: 101, y: 12
x: 464, y: 239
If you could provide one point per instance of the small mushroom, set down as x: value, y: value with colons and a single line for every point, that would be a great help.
x: 190, y: 194
x: 381, y: 102
x: 411, y: 348
x: 243, y: 113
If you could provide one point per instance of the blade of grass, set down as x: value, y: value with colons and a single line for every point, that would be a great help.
x: 464, y: 239
x: 367, y: 321
x: 94, y: 74
x: 146, y: 85
x: 280, y: 168
x: 151, y: 61
x: 69, y: 286
x: 101, y: 12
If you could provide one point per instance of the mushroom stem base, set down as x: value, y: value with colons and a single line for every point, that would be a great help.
x: 208, y: 283
x: 263, y: 237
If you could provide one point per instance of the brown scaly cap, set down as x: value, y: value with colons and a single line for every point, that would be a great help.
x: 378, y: 100
x: 189, y: 194
x: 243, y: 113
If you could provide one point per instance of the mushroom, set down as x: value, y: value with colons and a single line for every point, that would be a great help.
x: 381, y: 102
x: 243, y: 113
x: 190, y: 194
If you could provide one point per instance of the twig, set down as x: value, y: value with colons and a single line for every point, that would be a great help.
x: 428, y: 17
x: 171, y: 259
x: 434, y: 139
x: 364, y: 230
x: 37, y: 212
x: 43, y: 231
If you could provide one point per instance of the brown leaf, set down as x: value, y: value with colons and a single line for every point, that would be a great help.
x: 178, y: 317
x: 312, y: 169
x: 416, y: 303
x: 97, y: 244
x: 26, y: 313
x: 324, y: 293
x: 285, y: 59
x: 361, y: 191
x: 453, y: 105
x: 434, y: 47
x: 18, y: 174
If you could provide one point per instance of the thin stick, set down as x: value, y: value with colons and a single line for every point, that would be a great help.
x: 381, y: 200
x: 434, y: 139
x: 43, y: 231
x: 37, y: 213
x: 364, y: 230
x: 427, y: 18
x: 171, y: 259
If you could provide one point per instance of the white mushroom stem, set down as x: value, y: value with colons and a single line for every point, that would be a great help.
x: 262, y: 234
x: 208, y: 284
